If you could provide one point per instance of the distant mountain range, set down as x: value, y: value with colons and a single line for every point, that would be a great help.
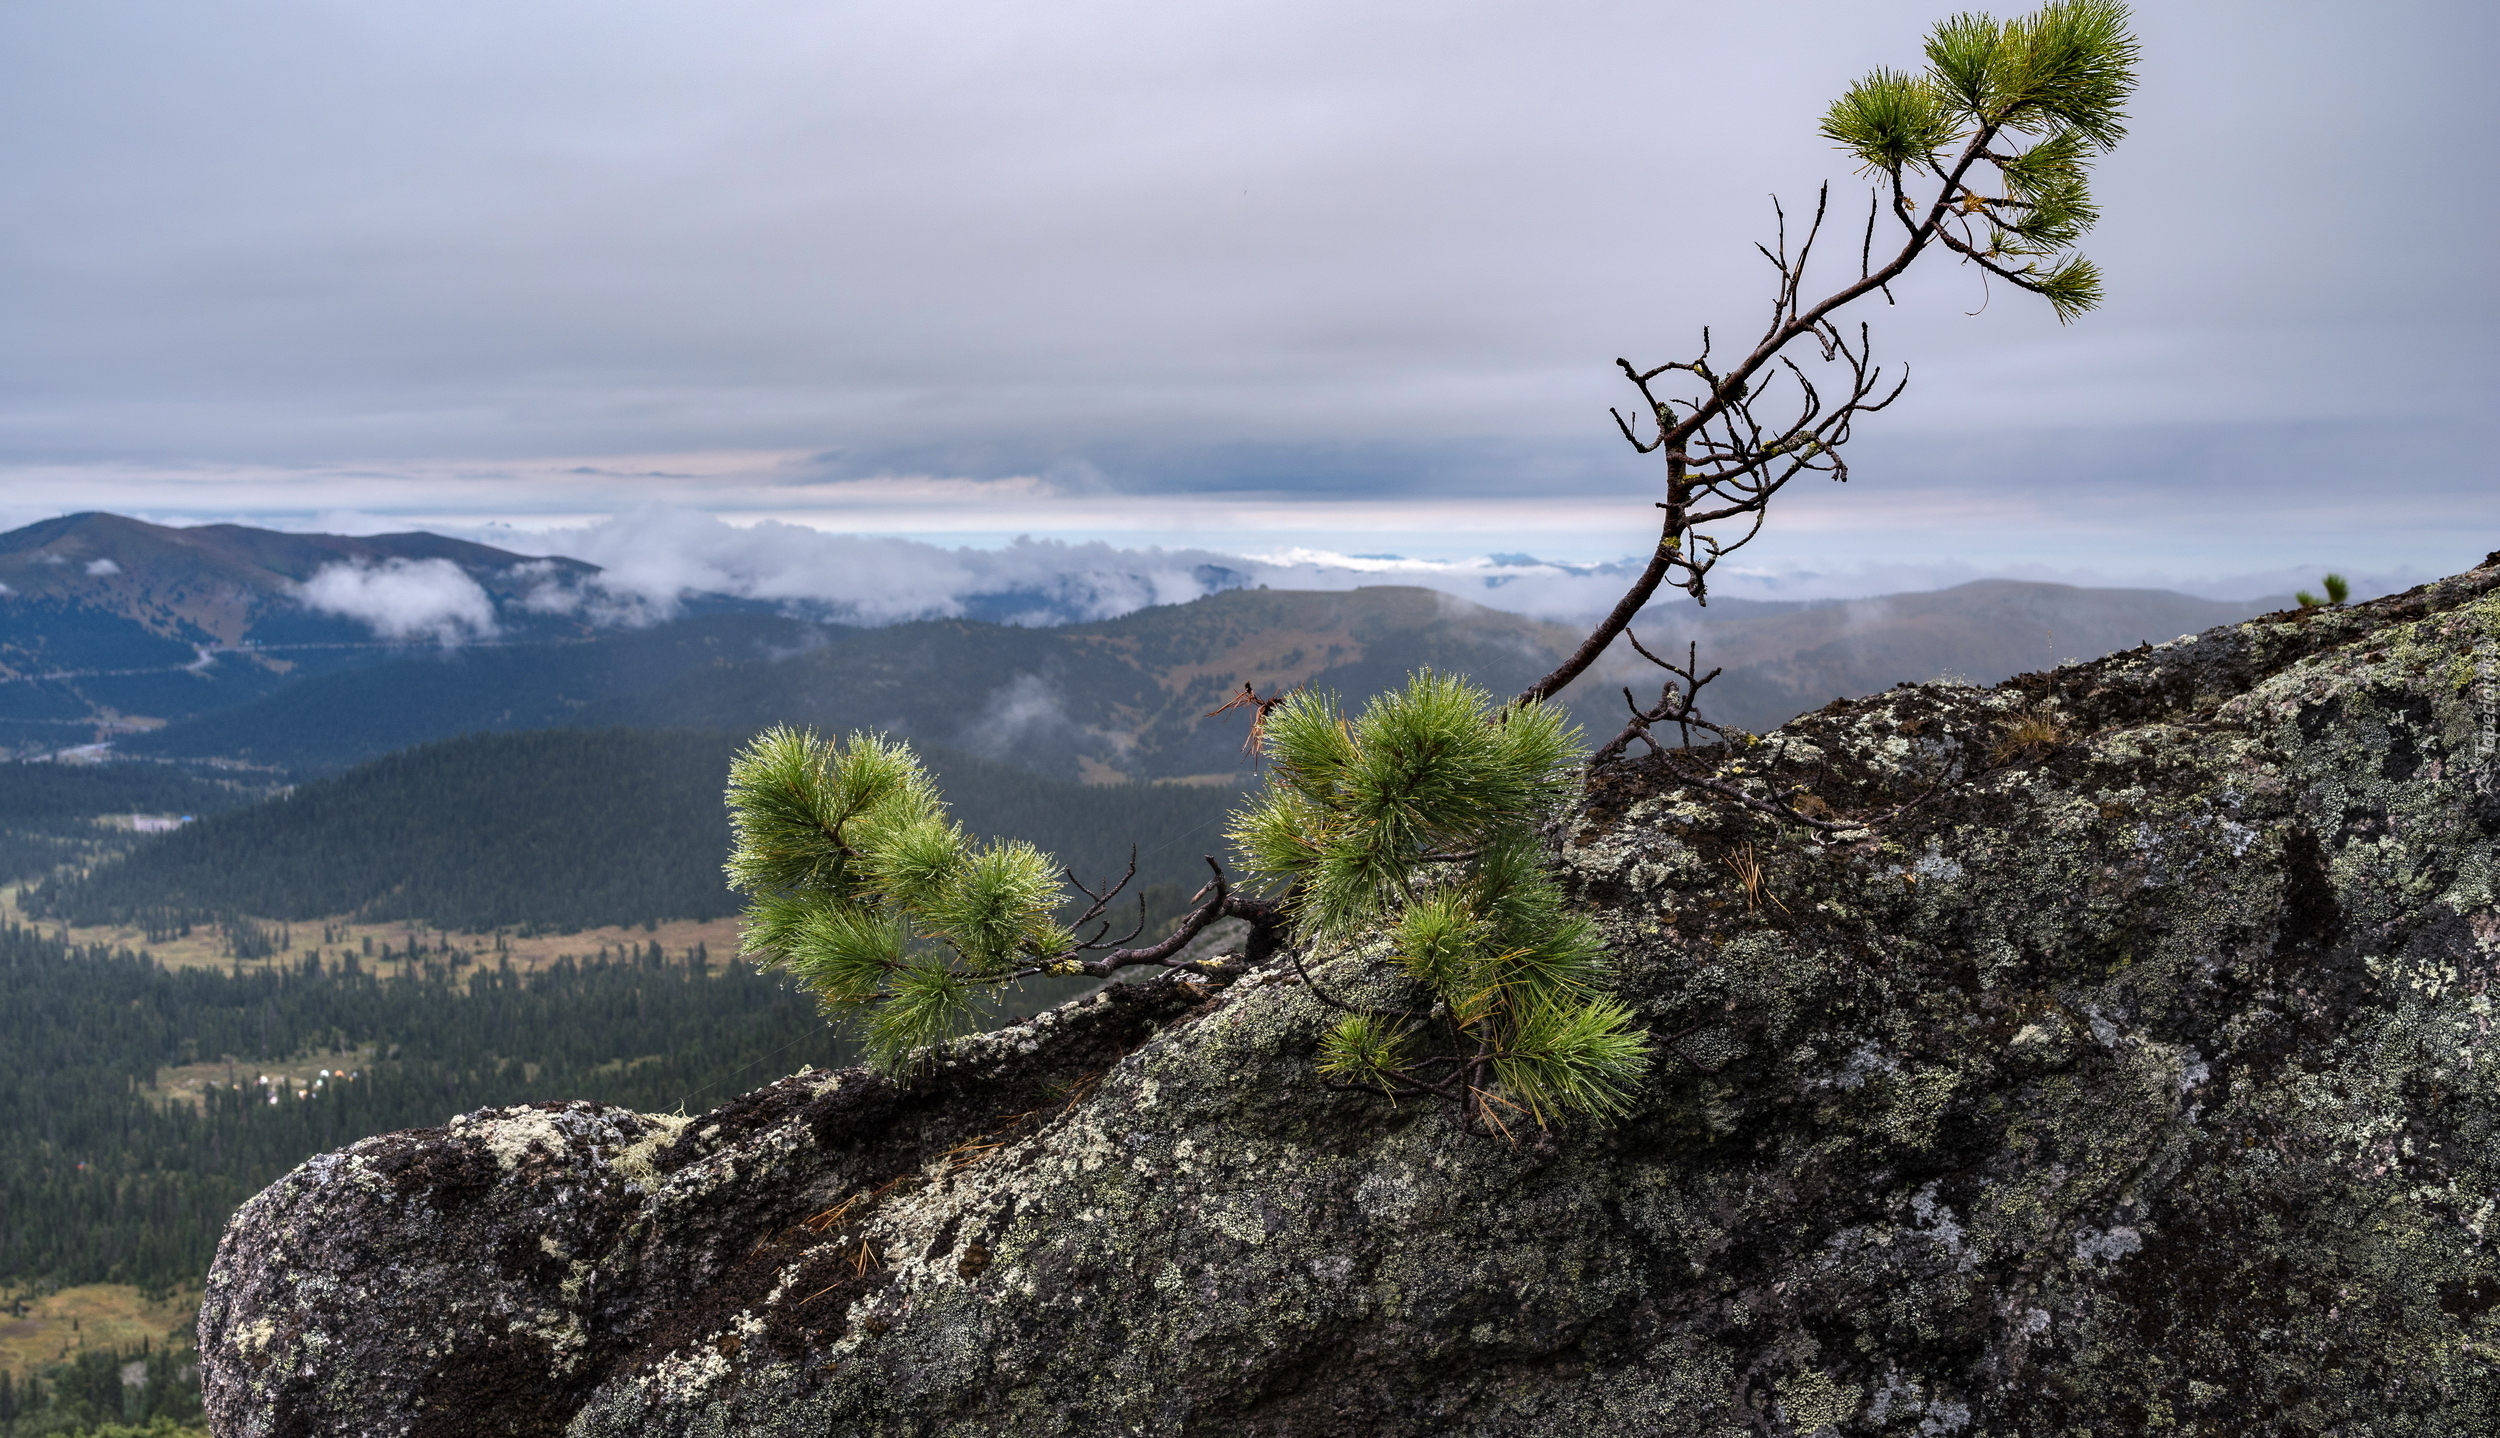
x: 304, y: 654
x: 111, y: 625
x: 225, y: 584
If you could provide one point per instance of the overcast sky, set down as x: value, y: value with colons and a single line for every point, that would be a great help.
x: 1228, y: 275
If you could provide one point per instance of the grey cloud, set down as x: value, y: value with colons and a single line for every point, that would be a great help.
x: 653, y: 559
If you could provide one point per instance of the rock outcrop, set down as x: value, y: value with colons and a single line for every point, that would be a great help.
x: 2134, y: 1073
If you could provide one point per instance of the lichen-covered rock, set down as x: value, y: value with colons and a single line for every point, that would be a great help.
x: 2110, y: 1054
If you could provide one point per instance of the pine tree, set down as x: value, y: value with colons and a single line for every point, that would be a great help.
x: 1419, y: 818
x: 2031, y: 102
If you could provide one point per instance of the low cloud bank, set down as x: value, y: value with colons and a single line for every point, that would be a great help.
x: 404, y: 599
x: 651, y: 562
x: 654, y: 562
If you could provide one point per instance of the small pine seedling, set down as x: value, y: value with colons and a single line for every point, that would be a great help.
x: 2337, y: 591
x: 869, y: 895
x: 1418, y: 820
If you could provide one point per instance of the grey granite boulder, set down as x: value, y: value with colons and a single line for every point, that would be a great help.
x: 2106, y: 1052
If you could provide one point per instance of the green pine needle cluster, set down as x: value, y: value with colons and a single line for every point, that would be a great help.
x: 2338, y: 590
x: 868, y: 894
x: 1419, y: 818
x: 2059, y: 79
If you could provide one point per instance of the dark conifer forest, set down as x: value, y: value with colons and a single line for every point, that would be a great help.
x: 110, y: 1183
x: 114, y: 1181
x: 563, y: 829
x: 49, y: 812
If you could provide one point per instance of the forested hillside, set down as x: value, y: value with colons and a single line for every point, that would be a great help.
x: 1125, y: 696
x: 571, y: 828
x: 108, y: 1183
x: 329, y: 721
x: 1128, y: 695
x: 49, y: 812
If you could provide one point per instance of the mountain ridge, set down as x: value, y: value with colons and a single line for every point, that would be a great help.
x: 224, y: 584
x: 1129, y: 697
x: 111, y: 625
x: 1121, y: 698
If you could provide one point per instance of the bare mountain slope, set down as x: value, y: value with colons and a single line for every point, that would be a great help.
x: 1125, y: 696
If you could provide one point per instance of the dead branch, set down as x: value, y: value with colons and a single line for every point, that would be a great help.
x: 1215, y: 900
x: 1675, y: 706
x: 1102, y: 902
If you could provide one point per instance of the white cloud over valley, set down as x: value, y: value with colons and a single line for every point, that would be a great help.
x: 404, y: 599
x: 654, y: 561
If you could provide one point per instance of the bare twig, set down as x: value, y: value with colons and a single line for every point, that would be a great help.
x: 1341, y: 1005
x: 1676, y: 1040
x: 1102, y: 902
